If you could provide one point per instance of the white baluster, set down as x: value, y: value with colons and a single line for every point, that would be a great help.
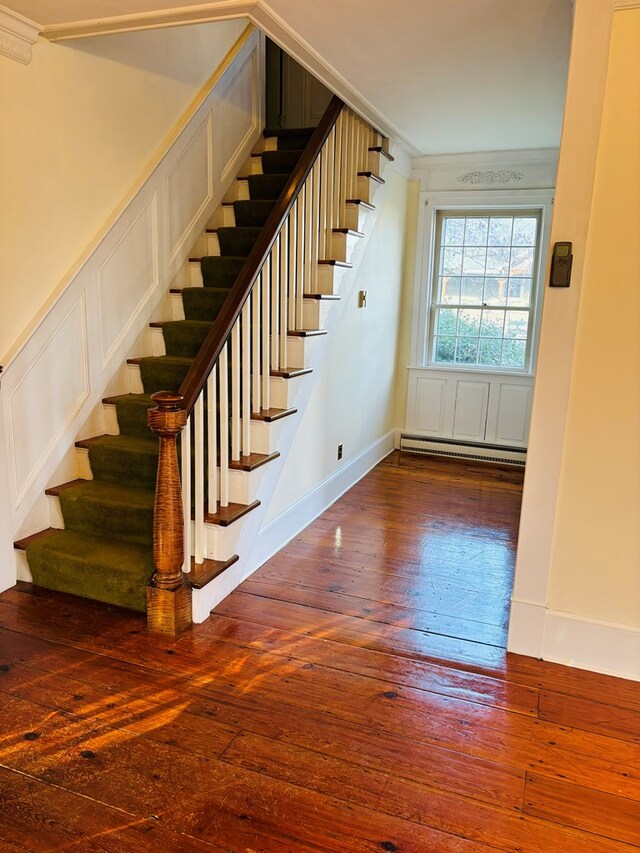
x: 284, y: 291
x: 246, y: 378
x: 223, y: 380
x: 266, y: 349
x: 300, y: 259
x: 293, y: 265
x: 212, y: 442
x: 274, y: 260
x: 235, y: 392
x: 255, y: 348
x: 198, y: 418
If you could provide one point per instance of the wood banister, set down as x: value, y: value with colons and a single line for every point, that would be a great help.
x: 210, y: 350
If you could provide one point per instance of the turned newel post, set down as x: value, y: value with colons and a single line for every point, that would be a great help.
x: 169, y: 595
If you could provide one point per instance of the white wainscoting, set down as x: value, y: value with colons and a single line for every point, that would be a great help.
x: 480, y: 408
x: 55, y: 382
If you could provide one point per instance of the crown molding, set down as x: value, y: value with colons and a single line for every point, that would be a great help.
x: 620, y: 5
x: 17, y: 34
x: 203, y: 13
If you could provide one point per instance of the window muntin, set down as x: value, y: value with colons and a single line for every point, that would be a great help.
x: 483, y: 288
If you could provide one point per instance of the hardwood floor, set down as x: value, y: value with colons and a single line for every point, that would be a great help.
x: 353, y: 695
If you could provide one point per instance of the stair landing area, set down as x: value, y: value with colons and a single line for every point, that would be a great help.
x: 353, y: 695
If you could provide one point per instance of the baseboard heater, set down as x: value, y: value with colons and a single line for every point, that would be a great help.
x: 463, y: 449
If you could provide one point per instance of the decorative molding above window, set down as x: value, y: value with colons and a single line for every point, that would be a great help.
x: 17, y: 34
x: 502, y: 176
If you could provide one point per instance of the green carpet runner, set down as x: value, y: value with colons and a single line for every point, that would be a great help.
x: 105, y: 550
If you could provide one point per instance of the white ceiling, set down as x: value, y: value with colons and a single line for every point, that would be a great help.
x: 451, y: 75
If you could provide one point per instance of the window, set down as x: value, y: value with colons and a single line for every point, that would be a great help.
x: 483, y: 298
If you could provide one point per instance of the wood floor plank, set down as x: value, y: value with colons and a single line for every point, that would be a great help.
x: 218, y: 804
x: 353, y: 695
x: 508, y: 830
x: 593, y: 811
x: 622, y: 723
x: 41, y: 818
x: 432, y: 613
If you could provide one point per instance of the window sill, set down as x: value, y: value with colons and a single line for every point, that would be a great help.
x: 442, y: 368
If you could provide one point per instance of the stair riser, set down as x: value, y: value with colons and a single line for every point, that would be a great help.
x: 367, y: 188
x: 330, y: 279
x: 252, y: 165
x: 56, y: 519
x: 271, y: 143
x: 243, y: 485
x: 343, y: 246
x: 224, y: 217
x: 206, y: 245
x: 282, y: 392
x: 315, y: 312
x: 265, y: 435
x: 219, y: 542
x: 238, y: 190
x: 356, y: 216
x: 377, y: 163
x: 195, y: 274
x: 177, y: 308
x: 23, y: 572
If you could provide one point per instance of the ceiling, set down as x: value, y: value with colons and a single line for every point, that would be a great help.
x: 451, y: 75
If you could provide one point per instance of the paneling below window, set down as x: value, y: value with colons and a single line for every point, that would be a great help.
x: 485, y: 408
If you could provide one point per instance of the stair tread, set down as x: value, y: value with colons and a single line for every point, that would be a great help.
x: 226, y: 515
x: 129, y: 442
x: 305, y: 333
x: 22, y: 544
x: 322, y: 296
x: 380, y: 150
x: 361, y: 202
x: 203, y: 573
x: 272, y: 414
x: 110, y: 493
x: 291, y: 372
x: 350, y: 231
x: 106, y: 550
x: 334, y: 263
x: 252, y: 461
x: 372, y: 175
x: 166, y: 359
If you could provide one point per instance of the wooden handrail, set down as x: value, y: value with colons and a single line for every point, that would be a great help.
x: 220, y: 331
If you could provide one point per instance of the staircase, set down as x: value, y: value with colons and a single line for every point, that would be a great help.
x: 242, y: 308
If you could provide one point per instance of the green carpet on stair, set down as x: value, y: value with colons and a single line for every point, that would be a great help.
x: 101, y: 568
x: 219, y: 272
x: 105, y: 550
x: 267, y: 186
x: 256, y: 212
x: 119, y: 511
x: 185, y: 337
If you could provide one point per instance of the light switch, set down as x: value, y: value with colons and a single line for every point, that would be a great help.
x: 362, y: 299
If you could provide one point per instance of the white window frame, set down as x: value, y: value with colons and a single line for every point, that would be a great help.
x: 430, y: 204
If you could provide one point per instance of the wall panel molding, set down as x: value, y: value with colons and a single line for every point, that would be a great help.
x: 39, y: 406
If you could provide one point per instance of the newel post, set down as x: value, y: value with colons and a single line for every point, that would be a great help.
x: 169, y: 594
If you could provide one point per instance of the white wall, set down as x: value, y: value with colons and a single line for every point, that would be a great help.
x: 79, y: 125
x: 353, y: 400
x: 595, y: 565
x: 577, y: 591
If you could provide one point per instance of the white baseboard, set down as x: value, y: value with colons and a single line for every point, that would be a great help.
x: 582, y: 642
x: 275, y: 535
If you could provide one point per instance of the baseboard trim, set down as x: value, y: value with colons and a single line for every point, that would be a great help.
x: 596, y: 645
x: 282, y: 529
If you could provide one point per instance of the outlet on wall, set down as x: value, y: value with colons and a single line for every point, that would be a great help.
x: 339, y: 451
